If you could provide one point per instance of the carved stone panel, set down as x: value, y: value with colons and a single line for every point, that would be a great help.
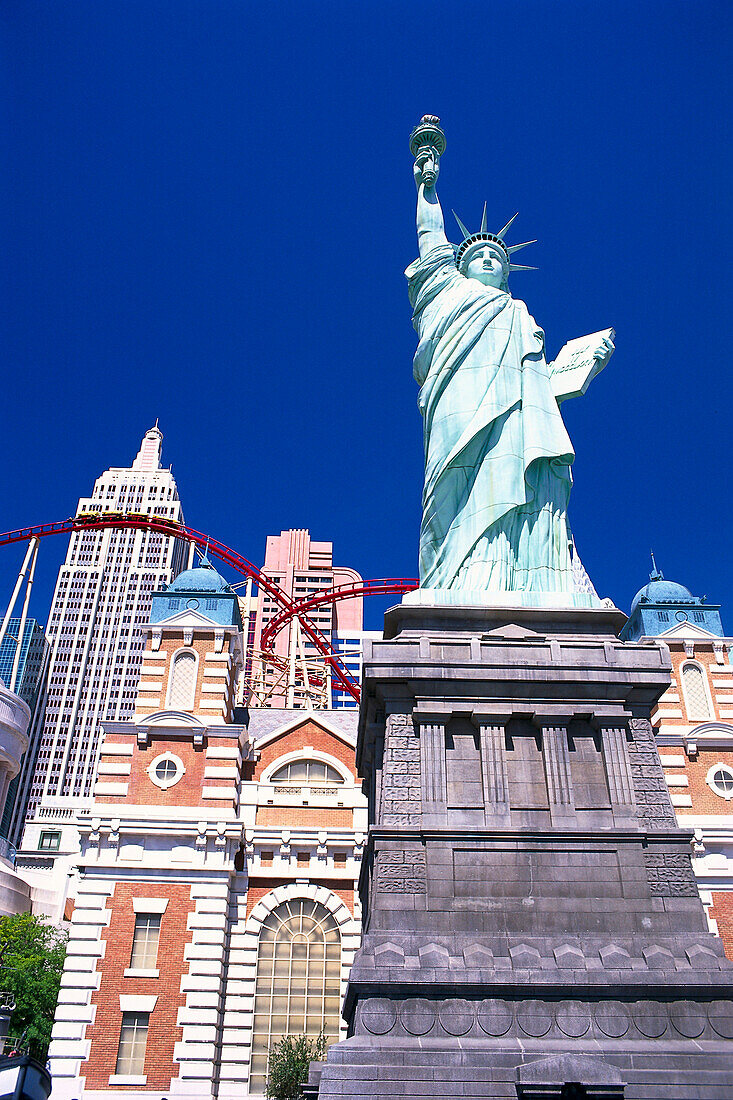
x: 653, y: 805
x: 401, y: 802
x: 401, y: 872
x: 670, y: 876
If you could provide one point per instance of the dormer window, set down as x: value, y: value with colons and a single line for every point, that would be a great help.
x: 307, y: 773
x: 182, y: 681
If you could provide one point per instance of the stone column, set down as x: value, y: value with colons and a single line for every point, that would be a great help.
x: 618, y: 768
x: 557, y: 772
x: 432, y: 761
x: 493, y: 771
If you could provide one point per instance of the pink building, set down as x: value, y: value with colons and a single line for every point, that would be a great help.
x: 301, y: 567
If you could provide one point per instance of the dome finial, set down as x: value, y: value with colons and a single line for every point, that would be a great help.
x: 656, y: 574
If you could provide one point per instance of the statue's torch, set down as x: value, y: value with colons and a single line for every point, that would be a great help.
x: 428, y: 140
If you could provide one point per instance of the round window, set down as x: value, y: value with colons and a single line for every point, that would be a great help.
x: 193, y: 604
x: 720, y: 780
x: 166, y: 770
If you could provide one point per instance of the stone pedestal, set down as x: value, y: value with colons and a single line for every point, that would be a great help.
x: 532, y: 923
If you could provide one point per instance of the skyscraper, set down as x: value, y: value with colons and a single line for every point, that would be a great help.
x: 298, y: 676
x: 22, y: 668
x: 101, y: 600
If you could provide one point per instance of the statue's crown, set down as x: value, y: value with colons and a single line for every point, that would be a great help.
x: 470, y: 239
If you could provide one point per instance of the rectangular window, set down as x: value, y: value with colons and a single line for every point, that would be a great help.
x: 172, y: 604
x: 145, y: 941
x: 49, y: 841
x: 664, y: 616
x: 133, y: 1040
x: 698, y: 616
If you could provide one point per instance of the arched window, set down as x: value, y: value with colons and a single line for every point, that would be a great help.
x: 182, y: 683
x: 697, y: 699
x: 298, y: 980
x: 308, y: 772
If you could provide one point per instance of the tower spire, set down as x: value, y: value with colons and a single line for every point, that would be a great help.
x: 149, y: 455
x: 656, y: 574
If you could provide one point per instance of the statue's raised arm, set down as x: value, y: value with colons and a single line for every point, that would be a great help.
x: 428, y: 144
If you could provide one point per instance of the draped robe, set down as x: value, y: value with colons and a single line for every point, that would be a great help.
x: 497, y: 455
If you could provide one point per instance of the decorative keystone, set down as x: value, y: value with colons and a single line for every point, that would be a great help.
x: 568, y: 956
x: 615, y: 958
x: 389, y: 954
x: 476, y: 956
x: 702, y: 956
x: 658, y: 958
x: 434, y: 955
x: 524, y: 955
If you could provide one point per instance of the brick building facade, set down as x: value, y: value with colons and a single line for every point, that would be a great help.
x: 694, y: 729
x: 216, y: 904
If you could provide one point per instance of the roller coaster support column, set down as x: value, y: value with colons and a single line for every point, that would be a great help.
x: 30, y: 553
x: 23, y: 616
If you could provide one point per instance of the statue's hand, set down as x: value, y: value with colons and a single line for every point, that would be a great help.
x: 604, y: 351
x: 426, y: 167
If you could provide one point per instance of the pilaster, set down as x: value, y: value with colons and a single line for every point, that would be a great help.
x: 492, y: 736
x: 432, y: 762
x: 557, y: 772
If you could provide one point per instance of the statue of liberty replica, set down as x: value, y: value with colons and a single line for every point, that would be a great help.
x: 531, y: 922
x: 497, y: 455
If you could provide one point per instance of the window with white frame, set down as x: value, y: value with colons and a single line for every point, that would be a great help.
x: 165, y: 770
x: 720, y: 780
x: 694, y: 685
x: 307, y: 772
x: 145, y: 940
x: 182, y: 683
x: 49, y: 841
x: 133, y: 1041
x: 298, y: 980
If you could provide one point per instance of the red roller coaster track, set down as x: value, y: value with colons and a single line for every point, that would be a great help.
x: 290, y: 609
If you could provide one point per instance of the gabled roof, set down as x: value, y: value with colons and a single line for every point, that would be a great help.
x: 690, y: 631
x: 265, y: 725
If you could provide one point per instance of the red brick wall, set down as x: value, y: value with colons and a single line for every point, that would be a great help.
x: 171, y: 642
x: 258, y: 887
x: 287, y: 817
x: 186, y: 792
x: 307, y: 733
x: 704, y: 800
x: 163, y: 1032
x: 722, y: 912
x: 705, y: 657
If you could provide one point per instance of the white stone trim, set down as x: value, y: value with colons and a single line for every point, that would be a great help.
x: 149, y: 905
x: 135, y: 1002
x: 222, y: 771
x: 727, y: 795
x: 240, y: 987
x: 676, y: 761
x: 681, y: 800
x: 677, y: 780
x: 164, y: 784
x: 141, y: 972
x: 223, y: 752
x: 117, y: 789
x: 308, y: 753
x: 128, y: 1078
x: 219, y: 792
x: 116, y: 750
x: 123, y: 768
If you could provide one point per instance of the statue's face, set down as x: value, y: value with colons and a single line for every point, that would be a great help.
x: 486, y: 264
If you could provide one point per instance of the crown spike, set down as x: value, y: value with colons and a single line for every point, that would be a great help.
x: 484, y: 223
x: 515, y: 247
x: 466, y: 233
x: 522, y: 267
x: 503, y: 231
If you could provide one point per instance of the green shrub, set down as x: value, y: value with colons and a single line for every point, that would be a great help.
x: 288, y: 1063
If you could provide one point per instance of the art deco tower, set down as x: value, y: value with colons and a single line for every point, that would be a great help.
x: 102, y: 597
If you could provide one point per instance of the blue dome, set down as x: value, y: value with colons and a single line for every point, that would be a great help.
x: 662, y: 591
x: 202, y: 579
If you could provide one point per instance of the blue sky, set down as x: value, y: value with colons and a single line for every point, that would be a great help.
x: 208, y: 209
